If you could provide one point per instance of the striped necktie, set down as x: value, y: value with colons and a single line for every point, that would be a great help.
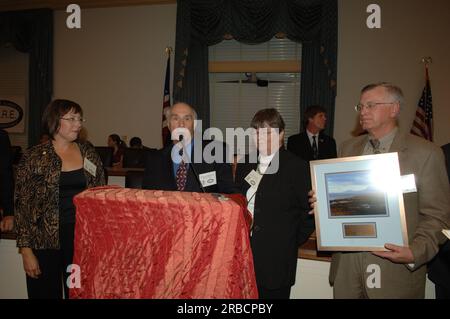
x: 314, y: 147
x: 375, y: 146
x: 181, y: 176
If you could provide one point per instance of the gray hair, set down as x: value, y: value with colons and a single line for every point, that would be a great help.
x: 393, y: 90
x: 168, y: 110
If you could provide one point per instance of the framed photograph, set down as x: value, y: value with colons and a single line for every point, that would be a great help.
x: 359, y: 203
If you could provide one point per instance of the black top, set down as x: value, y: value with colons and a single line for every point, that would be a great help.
x: 70, y: 184
x: 159, y: 171
x: 6, y: 176
x: 281, y: 222
x: 300, y: 145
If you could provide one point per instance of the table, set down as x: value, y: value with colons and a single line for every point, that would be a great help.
x: 132, y: 243
x: 120, y: 171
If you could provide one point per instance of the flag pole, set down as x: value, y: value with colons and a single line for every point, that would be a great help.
x: 427, y: 60
x: 166, y: 100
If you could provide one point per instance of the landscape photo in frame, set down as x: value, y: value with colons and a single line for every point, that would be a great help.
x: 359, y: 203
x: 352, y: 194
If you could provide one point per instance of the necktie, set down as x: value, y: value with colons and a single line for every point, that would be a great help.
x: 314, y: 147
x: 181, y: 176
x: 375, y: 145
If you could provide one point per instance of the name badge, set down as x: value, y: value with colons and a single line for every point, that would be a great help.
x: 208, y: 179
x: 446, y: 232
x: 253, y: 178
x: 408, y: 183
x: 90, y: 167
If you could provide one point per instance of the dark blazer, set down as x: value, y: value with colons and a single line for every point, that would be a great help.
x: 6, y: 176
x: 439, y: 267
x: 159, y: 173
x: 299, y: 145
x: 281, y: 221
x: 446, y: 150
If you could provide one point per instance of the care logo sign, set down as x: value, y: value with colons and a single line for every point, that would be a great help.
x: 12, y: 113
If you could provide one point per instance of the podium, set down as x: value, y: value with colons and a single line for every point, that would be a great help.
x: 132, y: 243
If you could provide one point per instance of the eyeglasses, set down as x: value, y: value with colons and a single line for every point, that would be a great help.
x: 370, y: 105
x: 73, y: 119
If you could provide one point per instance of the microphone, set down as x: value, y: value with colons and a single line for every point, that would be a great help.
x: 191, y: 163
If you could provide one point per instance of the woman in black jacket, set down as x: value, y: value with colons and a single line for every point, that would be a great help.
x: 276, y: 188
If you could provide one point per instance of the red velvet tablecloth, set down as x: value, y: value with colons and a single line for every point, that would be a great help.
x: 132, y: 243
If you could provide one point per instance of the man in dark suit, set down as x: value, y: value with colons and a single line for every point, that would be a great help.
x: 6, y: 183
x: 180, y: 166
x: 313, y: 144
x: 276, y: 189
x: 439, y: 267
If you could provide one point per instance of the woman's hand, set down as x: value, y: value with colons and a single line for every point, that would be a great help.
x: 30, y: 263
x: 7, y: 224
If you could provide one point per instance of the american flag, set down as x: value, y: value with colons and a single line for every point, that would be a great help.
x: 166, y: 104
x: 423, y: 122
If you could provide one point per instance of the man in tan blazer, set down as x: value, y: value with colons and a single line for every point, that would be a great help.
x: 401, y: 270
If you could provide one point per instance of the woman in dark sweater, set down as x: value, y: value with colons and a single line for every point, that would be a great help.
x: 48, y: 177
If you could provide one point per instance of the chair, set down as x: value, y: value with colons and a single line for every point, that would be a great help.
x: 134, y: 158
x: 134, y: 179
x: 106, y: 155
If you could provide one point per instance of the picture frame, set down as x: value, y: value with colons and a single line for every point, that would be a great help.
x: 359, y: 204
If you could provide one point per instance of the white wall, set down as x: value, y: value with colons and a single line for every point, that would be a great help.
x: 13, y: 284
x: 410, y: 30
x: 114, y: 66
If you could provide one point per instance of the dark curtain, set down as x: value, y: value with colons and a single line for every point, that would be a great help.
x: 31, y: 31
x: 201, y: 23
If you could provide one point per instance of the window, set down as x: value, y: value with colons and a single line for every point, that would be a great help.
x: 259, y: 76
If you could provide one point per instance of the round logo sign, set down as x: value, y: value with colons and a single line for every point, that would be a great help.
x: 10, y: 114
